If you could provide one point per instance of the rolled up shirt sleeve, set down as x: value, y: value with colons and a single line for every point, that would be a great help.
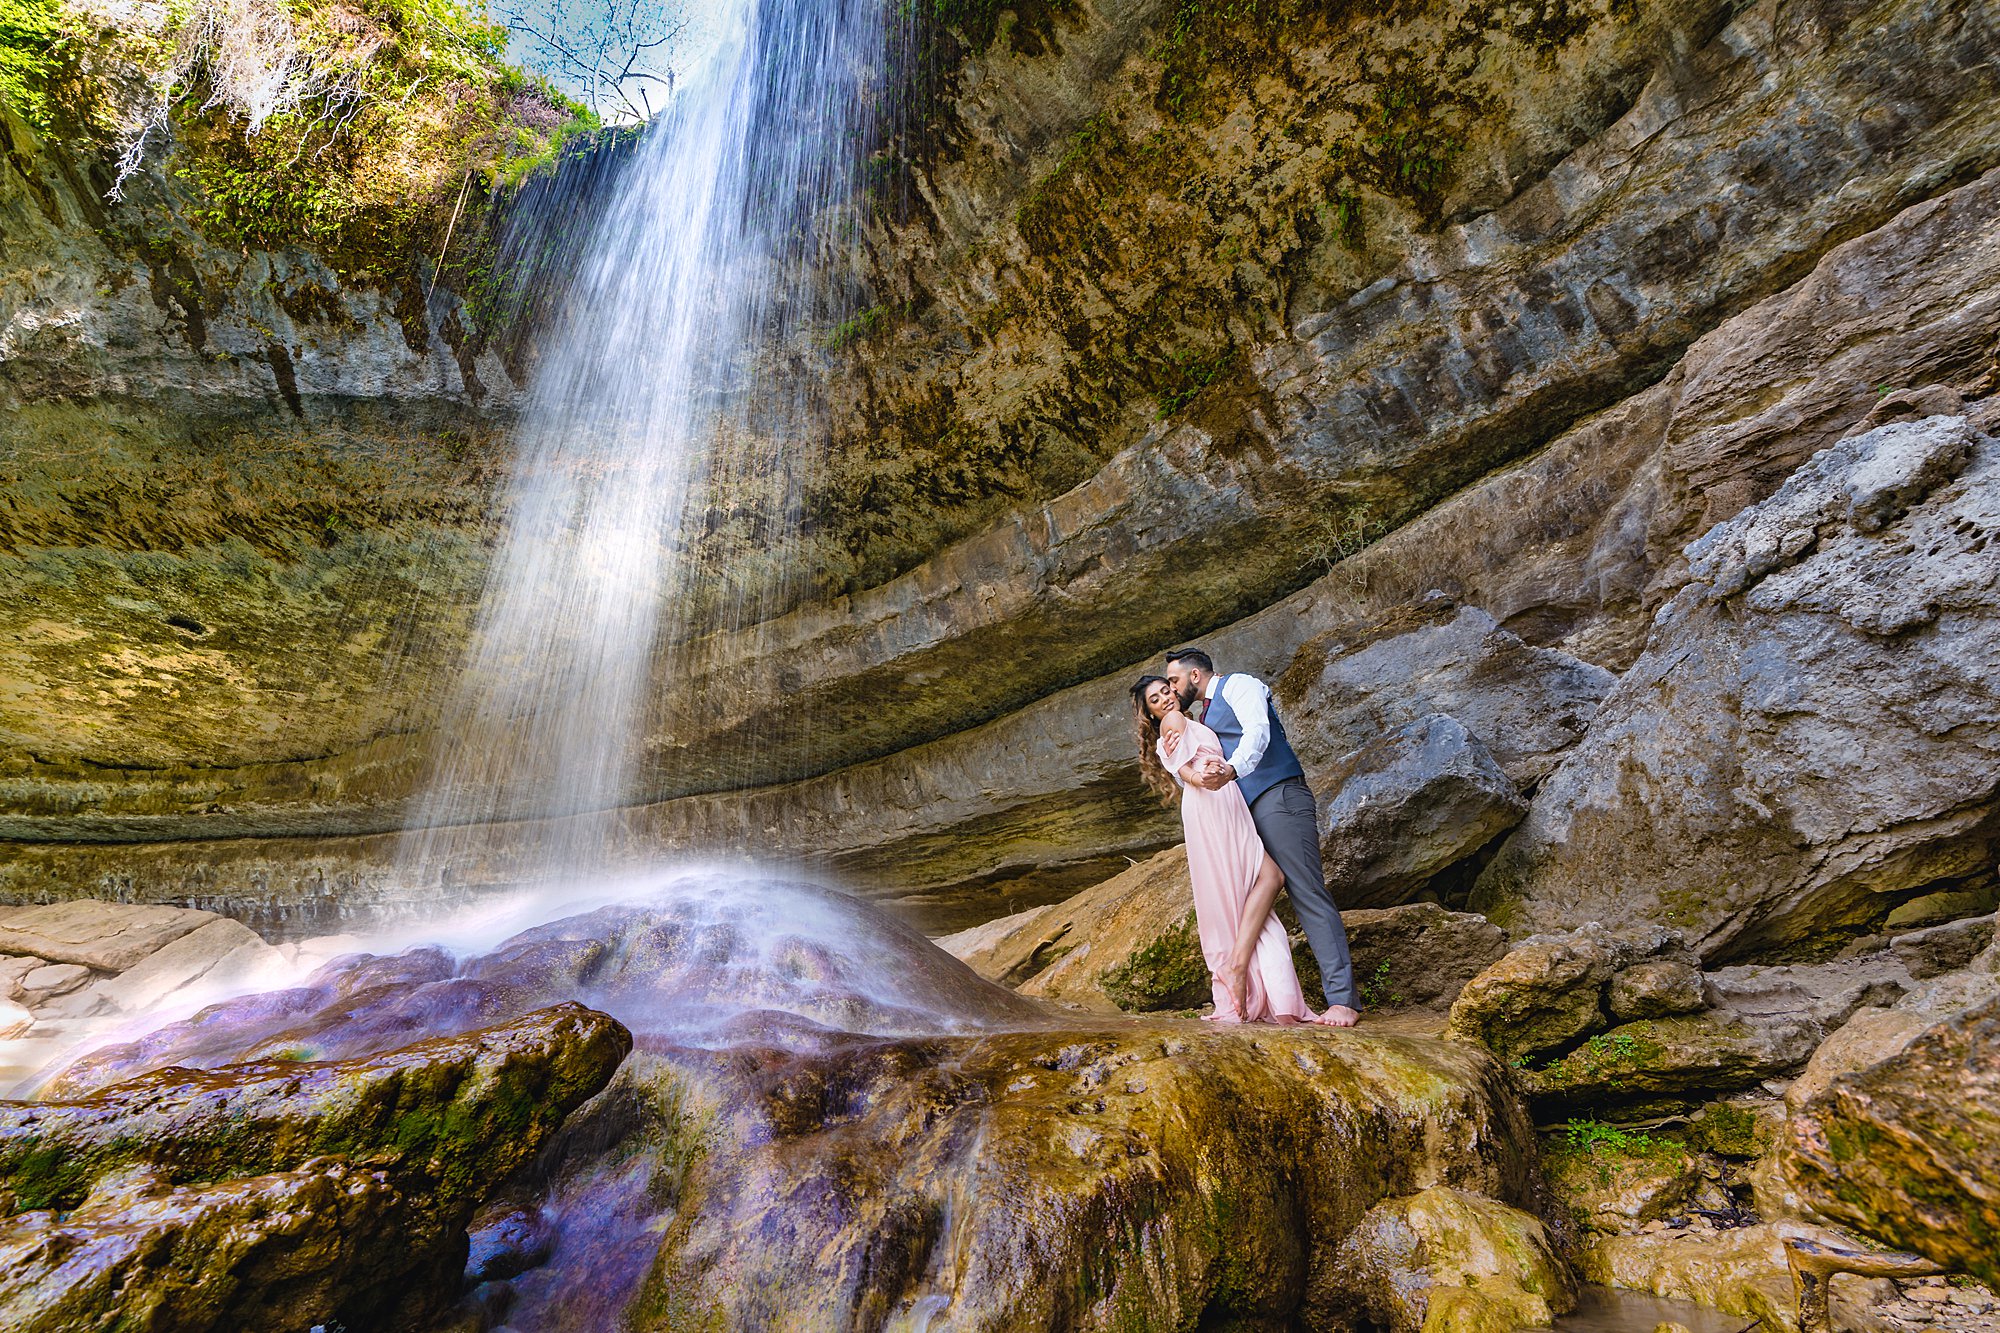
x: 1251, y: 700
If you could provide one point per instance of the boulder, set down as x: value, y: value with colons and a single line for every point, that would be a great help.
x: 1666, y: 1064
x: 290, y: 1249
x: 1548, y: 992
x: 15, y: 966
x: 106, y: 937
x: 1656, y: 989
x: 51, y: 981
x: 1739, y: 1271
x: 1903, y: 1150
x: 220, y: 953
x: 1868, y: 1038
x: 1354, y: 684
x: 1419, y: 954
x: 1447, y: 1259
x: 286, y: 1191
x: 466, y: 1107
x: 1813, y: 730
x: 1949, y: 947
x: 1615, y: 1188
x: 1408, y: 804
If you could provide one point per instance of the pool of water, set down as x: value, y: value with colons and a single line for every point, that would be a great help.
x: 1605, y: 1311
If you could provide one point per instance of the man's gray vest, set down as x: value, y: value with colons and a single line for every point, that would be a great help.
x: 1278, y: 762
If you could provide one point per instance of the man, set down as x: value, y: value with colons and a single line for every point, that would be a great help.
x: 1259, y: 760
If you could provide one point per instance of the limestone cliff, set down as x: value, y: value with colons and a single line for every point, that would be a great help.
x: 1255, y: 329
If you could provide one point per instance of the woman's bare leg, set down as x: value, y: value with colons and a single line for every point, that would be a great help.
x: 1256, y: 907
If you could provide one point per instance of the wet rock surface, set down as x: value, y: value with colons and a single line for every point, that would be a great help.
x: 284, y: 1193
x: 1328, y: 395
x: 825, y: 1119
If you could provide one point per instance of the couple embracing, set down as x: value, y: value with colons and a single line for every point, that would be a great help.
x: 1214, y: 743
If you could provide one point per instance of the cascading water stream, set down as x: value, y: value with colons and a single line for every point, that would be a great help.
x: 711, y: 251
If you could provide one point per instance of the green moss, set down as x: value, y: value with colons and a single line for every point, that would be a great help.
x: 377, y: 176
x: 1195, y: 373
x: 37, y: 41
x: 1168, y: 973
x: 1728, y: 1131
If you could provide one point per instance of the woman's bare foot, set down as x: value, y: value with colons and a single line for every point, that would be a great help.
x: 1339, y: 1016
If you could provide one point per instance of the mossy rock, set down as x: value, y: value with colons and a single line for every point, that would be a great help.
x: 1168, y: 973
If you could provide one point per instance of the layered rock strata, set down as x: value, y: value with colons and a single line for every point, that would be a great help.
x: 1366, y: 382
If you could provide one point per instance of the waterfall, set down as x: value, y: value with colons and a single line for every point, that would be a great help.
x: 648, y: 411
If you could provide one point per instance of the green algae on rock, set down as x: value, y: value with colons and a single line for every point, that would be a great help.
x: 292, y: 1191
x: 1144, y: 1174
x: 1904, y: 1150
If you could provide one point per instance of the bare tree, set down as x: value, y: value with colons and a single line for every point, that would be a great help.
x: 611, y: 54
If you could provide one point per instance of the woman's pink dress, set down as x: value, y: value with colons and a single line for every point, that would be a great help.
x: 1224, y: 854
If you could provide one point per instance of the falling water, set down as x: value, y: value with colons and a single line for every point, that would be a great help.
x: 714, y: 248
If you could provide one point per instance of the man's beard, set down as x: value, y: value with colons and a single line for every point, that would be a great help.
x: 1188, y: 695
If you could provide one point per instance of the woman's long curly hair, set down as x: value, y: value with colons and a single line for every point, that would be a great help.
x: 1158, y: 781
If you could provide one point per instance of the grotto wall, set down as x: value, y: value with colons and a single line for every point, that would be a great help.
x: 1259, y: 334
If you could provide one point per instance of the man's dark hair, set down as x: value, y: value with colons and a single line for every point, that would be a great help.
x: 1192, y: 656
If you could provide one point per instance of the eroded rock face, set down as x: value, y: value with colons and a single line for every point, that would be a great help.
x: 1130, y: 943
x: 284, y: 1193
x: 1382, y: 371
x: 1445, y: 1259
x: 1904, y: 1149
x: 1808, y: 737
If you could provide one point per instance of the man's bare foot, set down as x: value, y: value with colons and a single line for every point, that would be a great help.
x: 1339, y: 1016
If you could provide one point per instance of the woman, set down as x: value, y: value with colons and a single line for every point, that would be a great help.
x: 1249, y: 962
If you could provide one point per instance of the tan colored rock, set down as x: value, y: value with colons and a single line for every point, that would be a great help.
x: 13, y: 967
x: 1617, y: 1190
x: 1868, y: 1038
x: 1903, y: 1150
x: 218, y: 953
x: 106, y: 937
x: 51, y: 981
x: 1548, y: 991
x: 14, y: 1021
x: 1419, y: 954
x: 1741, y: 1271
x: 1446, y: 1259
x: 1656, y: 989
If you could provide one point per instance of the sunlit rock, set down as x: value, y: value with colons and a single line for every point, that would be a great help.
x: 824, y: 1112
x: 1444, y: 1261
x: 1809, y: 736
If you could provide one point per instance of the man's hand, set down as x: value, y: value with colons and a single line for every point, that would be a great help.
x: 1216, y: 776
